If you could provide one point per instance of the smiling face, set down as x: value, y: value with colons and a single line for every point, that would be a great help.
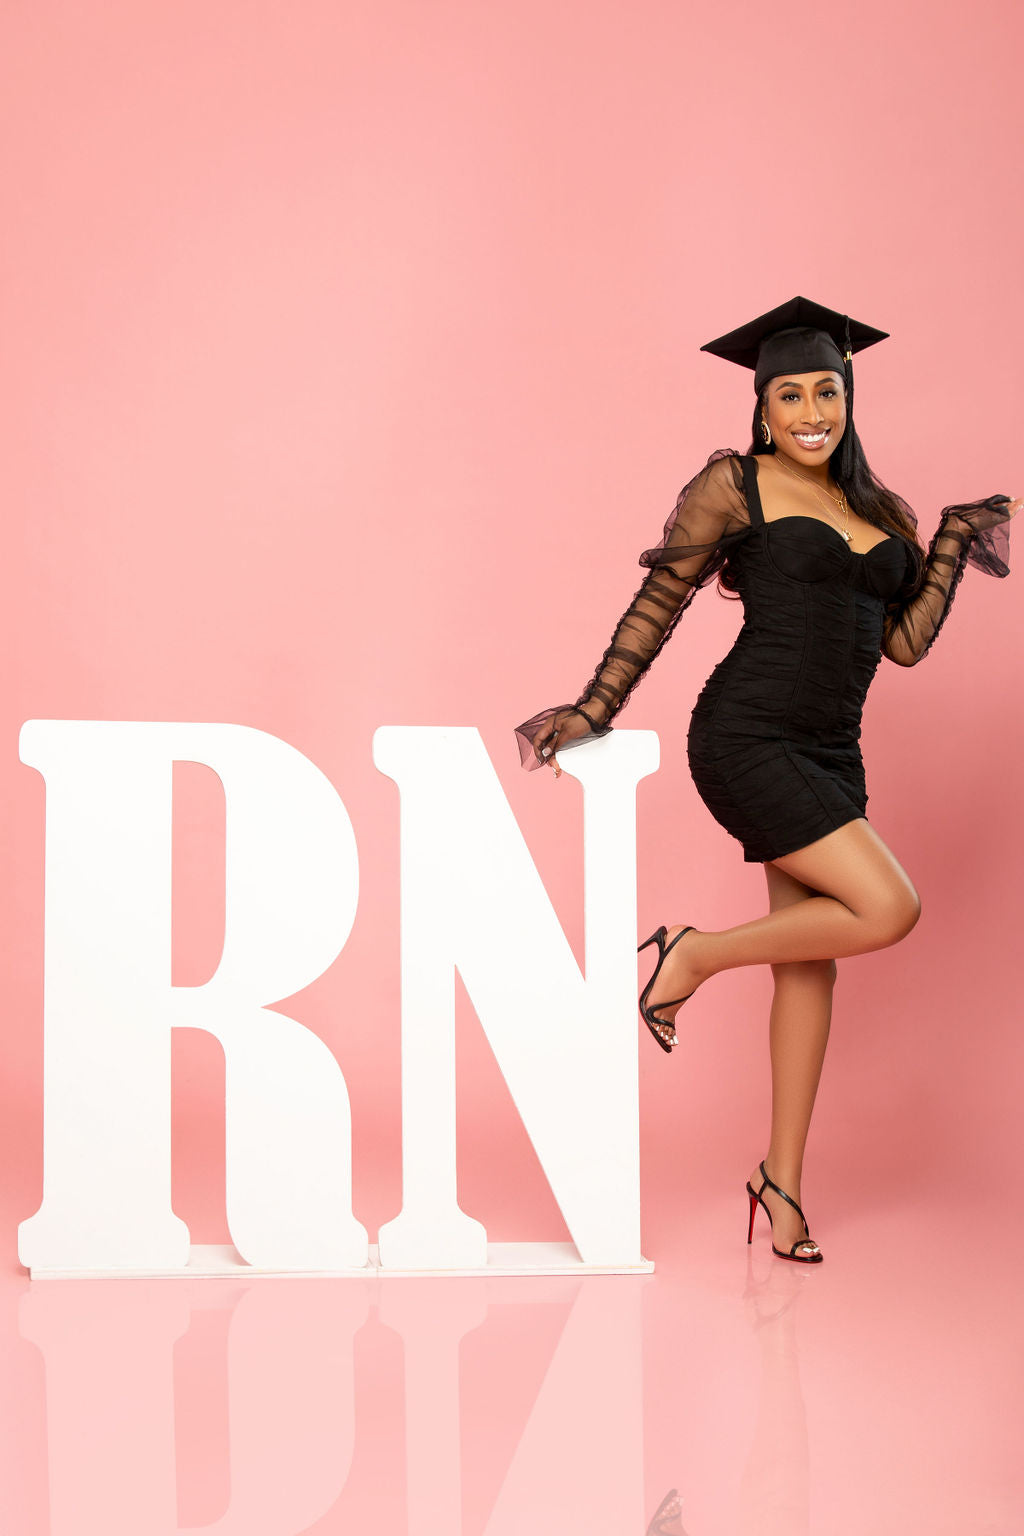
x: 806, y: 414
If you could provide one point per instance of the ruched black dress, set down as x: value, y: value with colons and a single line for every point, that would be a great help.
x: 774, y: 737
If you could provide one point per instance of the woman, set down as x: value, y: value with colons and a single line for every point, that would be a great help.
x: 832, y: 577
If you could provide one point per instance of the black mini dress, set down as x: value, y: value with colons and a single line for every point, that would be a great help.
x: 774, y: 736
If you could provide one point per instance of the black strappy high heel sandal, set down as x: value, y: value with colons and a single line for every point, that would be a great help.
x: 654, y: 1024
x: 755, y: 1201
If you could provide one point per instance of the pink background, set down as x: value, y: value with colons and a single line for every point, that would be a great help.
x: 349, y: 360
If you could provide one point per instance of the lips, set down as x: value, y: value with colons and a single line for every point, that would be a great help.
x: 811, y: 439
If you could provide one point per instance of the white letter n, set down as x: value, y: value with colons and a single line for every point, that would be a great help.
x: 472, y: 899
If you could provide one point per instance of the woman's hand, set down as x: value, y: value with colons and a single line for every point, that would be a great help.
x: 566, y: 726
x: 977, y: 522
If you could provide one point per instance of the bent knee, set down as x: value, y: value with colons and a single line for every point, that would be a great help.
x: 896, y: 915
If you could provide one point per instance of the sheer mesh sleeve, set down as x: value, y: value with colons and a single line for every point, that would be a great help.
x: 709, y: 518
x: 973, y: 533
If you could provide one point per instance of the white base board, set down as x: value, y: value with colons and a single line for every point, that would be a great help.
x: 212, y: 1260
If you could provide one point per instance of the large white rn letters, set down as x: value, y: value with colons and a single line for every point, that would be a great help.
x: 471, y: 897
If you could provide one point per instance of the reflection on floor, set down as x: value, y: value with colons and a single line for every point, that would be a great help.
x: 726, y: 1395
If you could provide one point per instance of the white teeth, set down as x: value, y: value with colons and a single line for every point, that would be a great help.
x: 804, y: 437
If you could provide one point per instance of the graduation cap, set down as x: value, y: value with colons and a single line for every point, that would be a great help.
x: 798, y: 337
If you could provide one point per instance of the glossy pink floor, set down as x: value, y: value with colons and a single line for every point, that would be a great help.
x: 876, y: 1393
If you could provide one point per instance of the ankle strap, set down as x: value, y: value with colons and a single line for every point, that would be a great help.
x: 788, y: 1198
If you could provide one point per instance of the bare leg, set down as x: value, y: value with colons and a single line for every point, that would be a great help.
x: 864, y: 901
x: 798, y: 1034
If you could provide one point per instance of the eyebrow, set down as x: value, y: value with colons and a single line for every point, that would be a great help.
x: 792, y: 384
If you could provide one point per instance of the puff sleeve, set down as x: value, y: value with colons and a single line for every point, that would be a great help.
x: 708, y: 520
x: 972, y: 533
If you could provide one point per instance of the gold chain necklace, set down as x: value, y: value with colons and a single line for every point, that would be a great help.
x: 843, y: 532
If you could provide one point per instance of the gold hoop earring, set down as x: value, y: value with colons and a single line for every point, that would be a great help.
x: 767, y: 431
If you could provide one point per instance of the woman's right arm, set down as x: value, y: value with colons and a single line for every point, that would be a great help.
x: 709, y: 517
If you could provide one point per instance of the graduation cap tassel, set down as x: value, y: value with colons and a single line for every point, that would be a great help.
x: 846, y: 455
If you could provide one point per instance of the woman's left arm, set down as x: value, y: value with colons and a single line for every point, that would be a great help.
x: 975, y: 533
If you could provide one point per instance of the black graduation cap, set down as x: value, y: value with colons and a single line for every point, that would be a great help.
x: 798, y: 337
